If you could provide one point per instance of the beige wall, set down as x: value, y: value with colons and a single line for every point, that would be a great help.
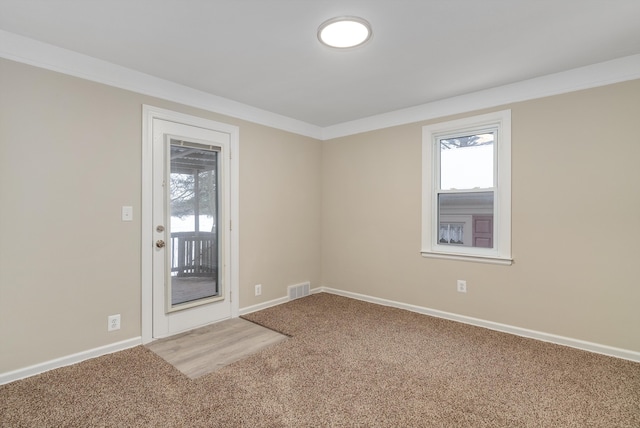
x: 344, y: 214
x: 70, y: 157
x: 279, y: 212
x: 575, y: 231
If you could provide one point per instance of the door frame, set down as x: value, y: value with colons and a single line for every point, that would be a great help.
x: 149, y: 113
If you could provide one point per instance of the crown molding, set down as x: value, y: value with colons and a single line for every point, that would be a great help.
x: 29, y: 51
x: 591, y: 76
x: 25, y: 50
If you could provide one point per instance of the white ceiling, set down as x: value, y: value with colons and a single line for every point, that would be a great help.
x: 265, y: 53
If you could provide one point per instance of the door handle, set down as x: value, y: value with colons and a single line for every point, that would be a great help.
x: 160, y: 243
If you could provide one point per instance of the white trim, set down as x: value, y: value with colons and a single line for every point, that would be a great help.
x: 468, y: 258
x: 235, y: 222
x: 29, y: 51
x: 68, y: 360
x: 149, y: 113
x: 591, y: 76
x: 501, y: 251
x: 274, y: 302
x: 505, y: 328
x: 264, y: 305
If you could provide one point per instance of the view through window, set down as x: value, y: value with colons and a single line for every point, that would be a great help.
x: 466, y: 189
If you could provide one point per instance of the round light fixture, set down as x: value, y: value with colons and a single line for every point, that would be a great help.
x: 344, y: 32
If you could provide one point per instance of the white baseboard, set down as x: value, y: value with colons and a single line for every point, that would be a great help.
x: 265, y: 305
x: 274, y: 302
x: 523, y: 332
x: 68, y: 360
x: 532, y: 334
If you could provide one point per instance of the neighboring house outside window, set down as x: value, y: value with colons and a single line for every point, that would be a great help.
x: 466, y: 189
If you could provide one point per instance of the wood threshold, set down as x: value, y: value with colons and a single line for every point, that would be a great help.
x: 207, y: 349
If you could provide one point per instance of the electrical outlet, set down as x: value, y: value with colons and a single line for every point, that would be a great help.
x: 258, y: 289
x: 113, y: 322
x: 462, y: 286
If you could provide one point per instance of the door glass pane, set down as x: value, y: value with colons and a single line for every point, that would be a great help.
x: 466, y: 219
x: 194, y: 197
x: 467, y: 162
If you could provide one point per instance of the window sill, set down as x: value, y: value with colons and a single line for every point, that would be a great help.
x: 468, y: 258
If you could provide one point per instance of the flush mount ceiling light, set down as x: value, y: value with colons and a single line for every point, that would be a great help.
x: 344, y: 32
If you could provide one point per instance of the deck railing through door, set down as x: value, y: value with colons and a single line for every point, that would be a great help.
x: 193, y: 254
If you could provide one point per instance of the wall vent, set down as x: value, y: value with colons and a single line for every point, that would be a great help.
x: 299, y: 290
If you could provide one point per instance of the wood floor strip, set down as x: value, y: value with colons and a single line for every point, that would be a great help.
x: 204, y: 350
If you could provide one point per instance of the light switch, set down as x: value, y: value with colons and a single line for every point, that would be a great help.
x: 127, y: 213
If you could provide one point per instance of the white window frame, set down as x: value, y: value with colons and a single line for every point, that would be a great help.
x: 501, y: 251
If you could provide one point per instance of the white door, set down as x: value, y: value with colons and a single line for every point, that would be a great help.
x: 191, y: 219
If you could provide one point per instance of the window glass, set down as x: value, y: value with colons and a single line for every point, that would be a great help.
x: 193, y: 251
x: 466, y: 191
x: 467, y: 162
x: 466, y: 219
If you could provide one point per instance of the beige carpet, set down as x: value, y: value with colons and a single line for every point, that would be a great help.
x: 347, y: 364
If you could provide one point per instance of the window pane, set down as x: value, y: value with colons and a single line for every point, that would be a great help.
x: 193, y: 250
x: 467, y: 162
x: 466, y: 219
